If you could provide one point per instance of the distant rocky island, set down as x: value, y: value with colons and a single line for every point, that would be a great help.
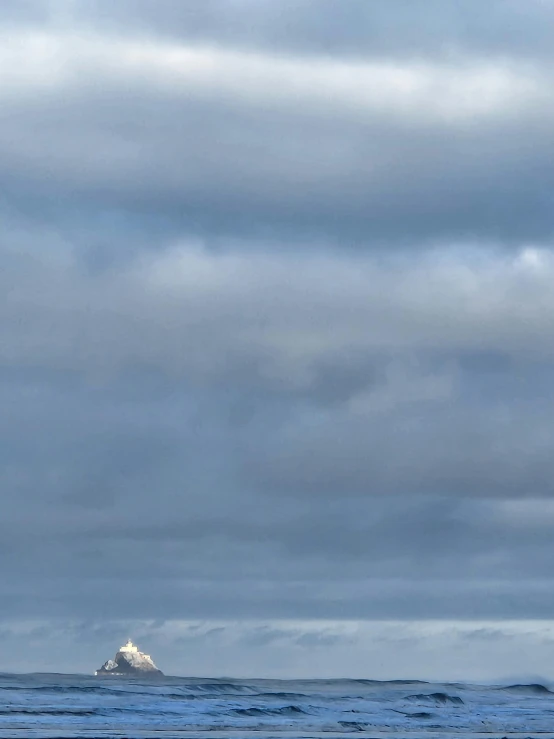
x: 129, y: 662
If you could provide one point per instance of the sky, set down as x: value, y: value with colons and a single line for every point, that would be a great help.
x: 277, y: 329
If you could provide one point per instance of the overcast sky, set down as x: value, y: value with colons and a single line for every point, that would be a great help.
x: 277, y: 335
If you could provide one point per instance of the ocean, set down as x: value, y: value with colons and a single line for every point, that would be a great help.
x: 75, y: 706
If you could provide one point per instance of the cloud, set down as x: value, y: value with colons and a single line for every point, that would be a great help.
x: 307, y: 315
x: 397, y: 28
x: 237, y: 431
x: 228, y: 143
x: 452, y: 94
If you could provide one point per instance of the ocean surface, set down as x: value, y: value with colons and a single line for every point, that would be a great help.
x: 72, y: 706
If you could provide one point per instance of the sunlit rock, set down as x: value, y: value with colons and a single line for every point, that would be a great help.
x: 128, y: 662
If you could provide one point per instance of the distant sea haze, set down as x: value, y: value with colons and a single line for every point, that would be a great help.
x: 75, y: 706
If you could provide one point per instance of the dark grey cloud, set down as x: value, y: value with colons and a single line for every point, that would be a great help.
x: 232, y: 434
x: 396, y: 28
x: 248, y: 175
x: 228, y: 143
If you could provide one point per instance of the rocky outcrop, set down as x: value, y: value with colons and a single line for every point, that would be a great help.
x: 129, y: 662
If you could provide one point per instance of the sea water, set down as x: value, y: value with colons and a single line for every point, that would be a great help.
x: 71, y: 706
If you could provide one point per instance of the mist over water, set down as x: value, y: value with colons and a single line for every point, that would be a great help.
x: 73, y: 707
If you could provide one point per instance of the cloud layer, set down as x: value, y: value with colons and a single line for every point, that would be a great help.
x: 276, y: 313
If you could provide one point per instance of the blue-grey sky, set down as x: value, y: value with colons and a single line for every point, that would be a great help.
x: 277, y: 330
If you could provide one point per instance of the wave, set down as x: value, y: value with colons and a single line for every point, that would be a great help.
x: 72, y: 689
x: 47, y: 712
x: 436, y: 699
x: 365, y: 681
x: 533, y: 688
x: 417, y: 714
x: 354, y: 725
x: 255, y: 711
x: 218, y: 687
x: 280, y: 696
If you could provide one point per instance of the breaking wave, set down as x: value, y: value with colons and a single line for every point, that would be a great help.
x: 435, y: 699
x: 531, y: 688
x: 281, y: 696
x: 254, y: 711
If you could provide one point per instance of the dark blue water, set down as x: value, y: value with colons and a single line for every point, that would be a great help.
x: 71, y: 706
